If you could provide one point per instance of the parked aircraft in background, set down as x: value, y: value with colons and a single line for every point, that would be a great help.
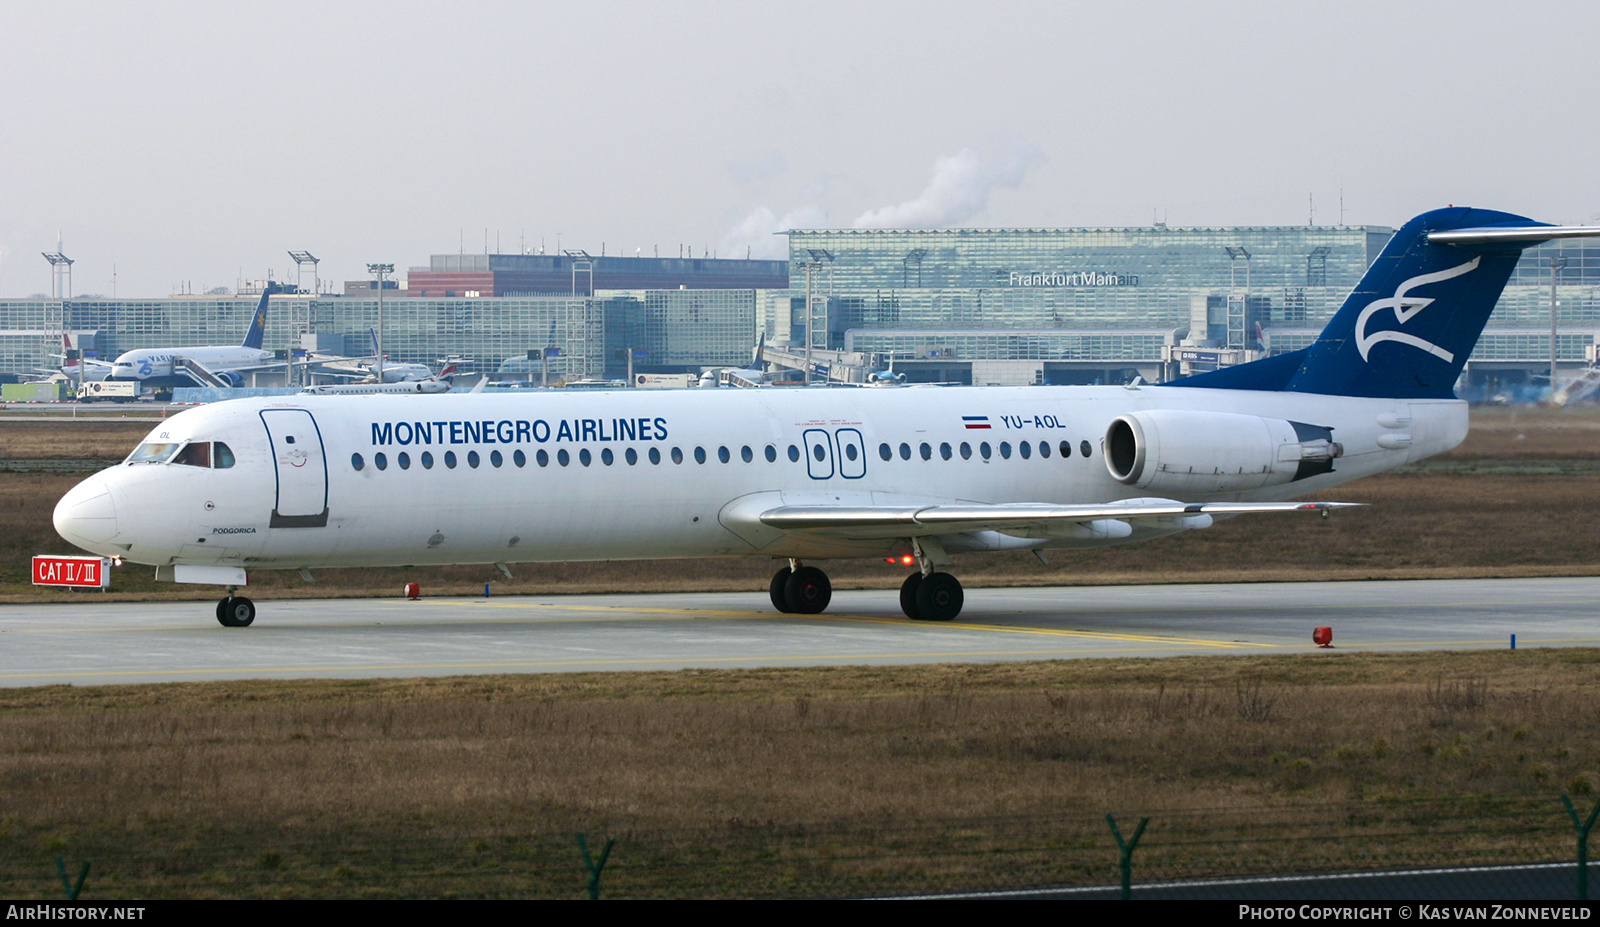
x: 912, y: 475
x: 206, y: 365
x: 434, y: 384
x: 366, y: 367
x: 92, y: 370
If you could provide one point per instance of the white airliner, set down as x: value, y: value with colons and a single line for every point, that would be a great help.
x: 92, y: 370
x: 432, y: 384
x: 366, y: 367
x: 210, y: 365
x: 806, y: 475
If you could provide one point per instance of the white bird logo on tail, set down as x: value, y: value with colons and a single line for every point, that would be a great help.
x: 1405, y: 307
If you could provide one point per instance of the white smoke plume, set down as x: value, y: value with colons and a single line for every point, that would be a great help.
x: 755, y: 233
x: 959, y: 189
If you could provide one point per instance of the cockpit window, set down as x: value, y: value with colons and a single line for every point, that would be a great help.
x: 152, y: 452
x: 196, y: 454
x: 222, y: 456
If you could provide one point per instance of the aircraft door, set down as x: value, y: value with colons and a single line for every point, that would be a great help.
x: 852, y: 454
x: 818, y: 447
x: 302, y: 469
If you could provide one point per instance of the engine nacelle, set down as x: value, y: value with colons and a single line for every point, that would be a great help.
x: 1178, y: 452
x: 234, y: 378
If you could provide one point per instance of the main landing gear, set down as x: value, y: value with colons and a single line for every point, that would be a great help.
x: 235, y: 611
x: 800, y: 589
x: 935, y: 597
x: 805, y: 590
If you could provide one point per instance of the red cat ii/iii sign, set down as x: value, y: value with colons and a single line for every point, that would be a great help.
x: 80, y: 572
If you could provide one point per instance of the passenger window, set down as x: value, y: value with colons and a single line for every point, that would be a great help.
x: 381, y: 460
x: 519, y: 458
x: 356, y: 462
x: 944, y: 450
x: 723, y: 455
x: 966, y: 451
x: 606, y: 457
x: 1044, y: 448
x: 1025, y: 449
x: 543, y: 457
x: 699, y: 455
x: 905, y: 451
x: 1066, y: 449
x: 404, y: 460
x: 584, y: 457
x: 850, y: 451
x: 450, y: 459
x: 772, y: 454
x: 746, y: 454
x: 472, y: 459
x: 221, y: 456
x: 1005, y: 449
x: 926, y: 451
x: 1083, y: 448
x: 631, y: 456
x: 563, y: 458
x: 427, y: 460
x: 197, y: 454
x: 985, y: 450
x: 885, y: 452
x: 677, y: 455
x: 794, y: 454
x: 496, y: 459
x: 655, y: 455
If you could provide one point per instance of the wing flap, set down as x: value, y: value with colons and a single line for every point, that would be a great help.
x: 1018, y: 519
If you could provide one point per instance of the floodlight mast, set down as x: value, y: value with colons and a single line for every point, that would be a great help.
x: 380, y: 271
x: 61, y: 288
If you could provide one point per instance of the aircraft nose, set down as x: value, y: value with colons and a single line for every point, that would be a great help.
x: 87, y: 514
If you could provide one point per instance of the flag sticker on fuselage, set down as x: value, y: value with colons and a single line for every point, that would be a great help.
x: 976, y: 421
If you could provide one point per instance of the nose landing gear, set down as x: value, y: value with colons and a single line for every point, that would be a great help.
x: 235, y: 611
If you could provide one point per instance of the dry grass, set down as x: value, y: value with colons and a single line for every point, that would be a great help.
x: 699, y: 760
x: 845, y: 780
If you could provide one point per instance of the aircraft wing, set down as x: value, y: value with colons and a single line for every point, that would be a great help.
x: 1025, y: 520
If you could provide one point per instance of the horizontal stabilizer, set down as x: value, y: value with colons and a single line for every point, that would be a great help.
x: 1520, y: 236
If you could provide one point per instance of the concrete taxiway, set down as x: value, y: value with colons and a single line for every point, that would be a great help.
x: 89, y: 642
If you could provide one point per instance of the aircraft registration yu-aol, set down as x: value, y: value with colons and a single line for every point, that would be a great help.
x: 804, y: 475
x: 208, y: 365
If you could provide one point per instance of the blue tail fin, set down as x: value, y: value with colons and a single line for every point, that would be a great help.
x: 1407, y: 328
x: 258, y: 323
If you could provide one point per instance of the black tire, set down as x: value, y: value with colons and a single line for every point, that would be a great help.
x: 236, y: 612
x: 908, y: 596
x: 939, y: 597
x: 807, y: 591
x: 779, y: 600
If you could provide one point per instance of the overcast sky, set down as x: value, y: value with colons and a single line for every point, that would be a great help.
x: 187, y: 144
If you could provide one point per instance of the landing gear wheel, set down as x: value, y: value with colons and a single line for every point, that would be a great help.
x: 779, y: 580
x: 236, y: 612
x: 939, y: 597
x: 807, y: 591
x: 908, y: 596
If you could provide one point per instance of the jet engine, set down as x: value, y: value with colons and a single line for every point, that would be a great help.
x: 234, y: 378
x: 1174, y: 451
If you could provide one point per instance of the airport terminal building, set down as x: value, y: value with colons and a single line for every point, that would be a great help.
x: 1102, y: 305
x: 1000, y: 306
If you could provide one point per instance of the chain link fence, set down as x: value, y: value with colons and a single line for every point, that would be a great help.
x: 1345, y: 852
